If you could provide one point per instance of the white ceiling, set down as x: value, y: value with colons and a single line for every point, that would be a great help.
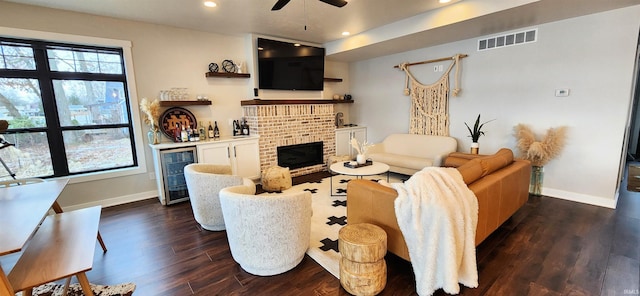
x: 414, y: 23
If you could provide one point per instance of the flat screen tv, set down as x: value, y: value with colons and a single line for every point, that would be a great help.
x: 289, y: 66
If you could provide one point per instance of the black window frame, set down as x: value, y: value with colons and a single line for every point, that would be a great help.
x: 53, y: 128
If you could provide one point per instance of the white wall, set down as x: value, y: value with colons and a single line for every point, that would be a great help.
x: 163, y: 57
x: 593, y: 56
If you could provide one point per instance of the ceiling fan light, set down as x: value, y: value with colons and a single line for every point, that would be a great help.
x: 210, y: 4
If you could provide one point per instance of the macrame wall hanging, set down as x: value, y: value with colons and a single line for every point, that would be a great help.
x: 430, y: 103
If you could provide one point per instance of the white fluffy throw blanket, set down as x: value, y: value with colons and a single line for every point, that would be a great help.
x: 438, y: 214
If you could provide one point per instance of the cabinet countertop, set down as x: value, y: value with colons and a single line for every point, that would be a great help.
x: 349, y: 127
x: 168, y: 145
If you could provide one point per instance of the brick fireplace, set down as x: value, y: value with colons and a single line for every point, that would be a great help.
x: 290, y: 123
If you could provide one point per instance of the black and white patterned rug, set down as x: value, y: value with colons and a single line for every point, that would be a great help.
x: 329, y: 215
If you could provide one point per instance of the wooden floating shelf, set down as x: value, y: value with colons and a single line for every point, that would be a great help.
x: 328, y: 79
x: 292, y: 102
x: 183, y: 103
x: 227, y: 75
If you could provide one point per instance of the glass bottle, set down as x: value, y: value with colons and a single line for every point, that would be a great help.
x: 211, y: 131
x: 216, y: 131
x: 177, y: 137
x: 184, y: 135
x: 201, y: 133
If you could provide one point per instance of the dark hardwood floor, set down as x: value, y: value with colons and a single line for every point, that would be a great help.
x: 549, y: 247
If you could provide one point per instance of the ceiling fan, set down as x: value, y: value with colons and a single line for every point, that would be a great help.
x: 337, y: 3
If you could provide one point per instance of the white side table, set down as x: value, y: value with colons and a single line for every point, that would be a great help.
x: 376, y: 168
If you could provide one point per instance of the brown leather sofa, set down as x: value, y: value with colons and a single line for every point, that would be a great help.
x: 500, y: 182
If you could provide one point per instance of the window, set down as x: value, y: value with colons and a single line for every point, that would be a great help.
x: 67, y: 108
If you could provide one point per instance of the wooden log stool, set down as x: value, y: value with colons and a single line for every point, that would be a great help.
x: 363, y: 270
x: 276, y: 179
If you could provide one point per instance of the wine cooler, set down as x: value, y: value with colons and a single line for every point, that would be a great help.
x: 173, y: 162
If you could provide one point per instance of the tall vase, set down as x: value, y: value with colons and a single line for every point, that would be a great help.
x: 475, y: 147
x: 537, y: 176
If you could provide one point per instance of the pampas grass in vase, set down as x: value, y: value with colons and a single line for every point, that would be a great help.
x: 539, y: 152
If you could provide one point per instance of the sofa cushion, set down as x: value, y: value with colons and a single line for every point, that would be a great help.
x: 471, y: 171
x: 497, y: 161
x: 478, y: 167
x: 416, y: 163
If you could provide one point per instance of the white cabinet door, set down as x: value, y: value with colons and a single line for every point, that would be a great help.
x: 218, y: 153
x: 360, y: 134
x: 246, y: 159
x: 343, y: 142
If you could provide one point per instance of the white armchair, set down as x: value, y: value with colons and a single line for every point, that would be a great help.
x: 267, y: 235
x: 204, y: 182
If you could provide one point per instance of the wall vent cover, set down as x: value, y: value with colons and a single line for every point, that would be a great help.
x: 509, y: 39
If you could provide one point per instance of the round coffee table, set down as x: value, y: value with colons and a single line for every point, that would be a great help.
x: 376, y: 168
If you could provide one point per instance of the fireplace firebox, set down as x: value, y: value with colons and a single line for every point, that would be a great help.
x: 300, y: 155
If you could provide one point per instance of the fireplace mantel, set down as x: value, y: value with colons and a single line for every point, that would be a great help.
x: 256, y: 102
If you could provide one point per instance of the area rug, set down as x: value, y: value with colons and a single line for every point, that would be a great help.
x: 53, y: 289
x: 329, y: 215
x: 633, y: 178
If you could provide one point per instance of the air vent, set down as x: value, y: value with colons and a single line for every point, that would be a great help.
x: 510, y: 39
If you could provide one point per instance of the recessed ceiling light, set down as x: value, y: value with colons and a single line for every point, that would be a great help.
x: 210, y: 4
x: 445, y: 1
x: 345, y: 33
x: 296, y: 44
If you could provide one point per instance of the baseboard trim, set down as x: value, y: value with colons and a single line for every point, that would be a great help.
x: 105, y: 203
x: 581, y: 198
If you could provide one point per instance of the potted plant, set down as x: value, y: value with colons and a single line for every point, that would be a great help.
x: 476, y: 133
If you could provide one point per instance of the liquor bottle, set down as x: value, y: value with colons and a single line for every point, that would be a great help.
x: 195, y: 136
x: 202, y: 135
x: 236, y: 129
x: 184, y: 136
x: 216, y: 131
x: 211, y: 130
x: 245, y: 128
x: 189, y: 133
x: 176, y: 134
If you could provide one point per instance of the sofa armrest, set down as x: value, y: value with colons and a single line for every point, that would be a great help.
x: 370, y: 202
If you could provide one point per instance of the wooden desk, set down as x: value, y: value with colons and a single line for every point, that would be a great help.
x: 22, y: 208
x: 63, y: 245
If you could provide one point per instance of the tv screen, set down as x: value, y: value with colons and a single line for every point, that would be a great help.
x: 289, y: 66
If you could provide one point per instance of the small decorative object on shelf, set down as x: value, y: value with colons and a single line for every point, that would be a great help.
x: 239, y: 67
x: 152, y: 112
x: 177, y: 116
x: 213, y: 67
x: 476, y: 133
x: 229, y: 67
x: 539, y: 152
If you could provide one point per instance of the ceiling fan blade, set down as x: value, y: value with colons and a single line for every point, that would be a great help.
x: 280, y: 4
x: 338, y: 3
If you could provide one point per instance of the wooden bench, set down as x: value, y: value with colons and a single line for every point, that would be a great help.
x: 62, y: 247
